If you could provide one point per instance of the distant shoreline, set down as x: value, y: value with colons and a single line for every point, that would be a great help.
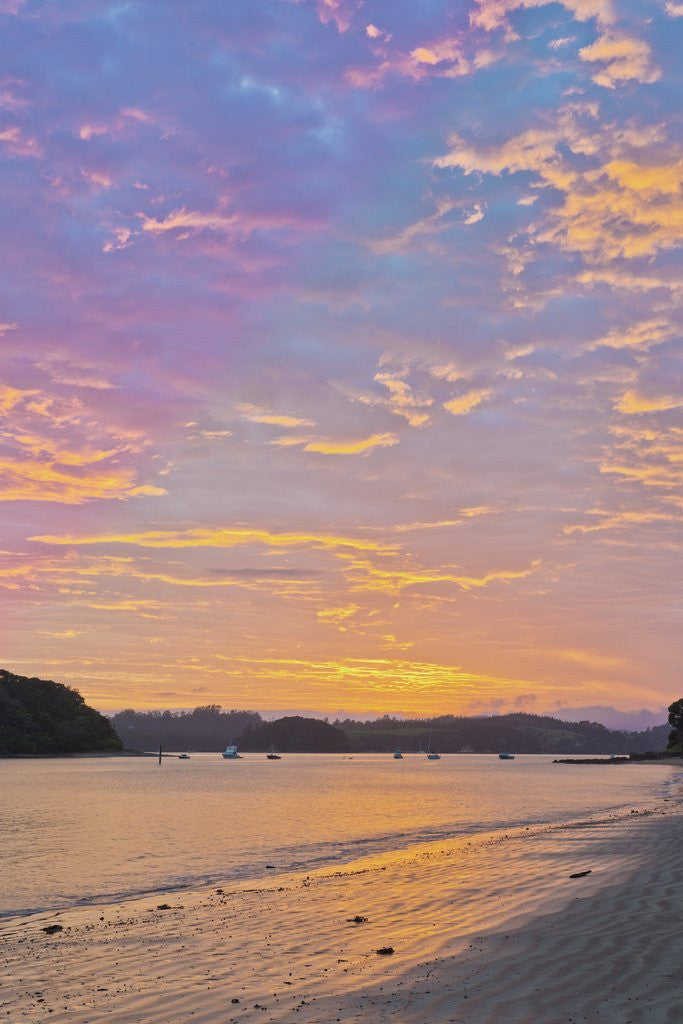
x: 675, y: 760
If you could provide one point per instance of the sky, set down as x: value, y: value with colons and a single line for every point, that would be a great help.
x: 340, y: 352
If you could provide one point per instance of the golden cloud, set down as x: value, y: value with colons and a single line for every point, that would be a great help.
x: 366, y: 576
x: 337, y: 616
x: 449, y: 686
x: 467, y: 402
x: 642, y: 335
x: 618, y: 208
x: 219, y: 538
x: 402, y: 401
x: 255, y: 414
x: 10, y: 397
x: 331, y: 446
x: 492, y: 14
x: 633, y: 402
x: 35, y: 480
x: 618, y: 521
x: 625, y: 59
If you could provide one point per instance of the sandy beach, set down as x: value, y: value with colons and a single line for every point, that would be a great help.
x: 483, y: 929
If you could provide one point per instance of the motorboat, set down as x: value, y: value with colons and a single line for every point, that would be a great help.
x: 230, y: 753
x: 505, y: 756
x: 273, y: 755
x: 183, y: 757
x: 398, y: 756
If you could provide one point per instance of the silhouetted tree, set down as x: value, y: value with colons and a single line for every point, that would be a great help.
x: 676, y: 720
x: 295, y: 734
x: 38, y: 716
x: 205, y: 728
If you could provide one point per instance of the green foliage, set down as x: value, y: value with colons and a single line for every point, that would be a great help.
x: 38, y: 716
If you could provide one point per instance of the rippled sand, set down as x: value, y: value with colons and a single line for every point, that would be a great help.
x: 484, y: 930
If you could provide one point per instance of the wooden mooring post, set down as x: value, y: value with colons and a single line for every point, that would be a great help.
x: 160, y: 753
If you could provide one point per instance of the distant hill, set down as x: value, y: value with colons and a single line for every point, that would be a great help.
x: 205, y: 728
x: 295, y: 734
x: 521, y: 733
x: 212, y: 729
x: 626, y: 721
x: 38, y: 716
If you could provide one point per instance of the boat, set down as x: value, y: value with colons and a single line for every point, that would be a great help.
x: 432, y: 754
x: 230, y: 753
x: 183, y: 757
x: 398, y: 756
x: 505, y: 756
x: 273, y: 755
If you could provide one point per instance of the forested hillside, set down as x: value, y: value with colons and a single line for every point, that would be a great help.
x: 38, y: 716
x: 529, y: 734
x: 205, y: 728
x: 295, y: 734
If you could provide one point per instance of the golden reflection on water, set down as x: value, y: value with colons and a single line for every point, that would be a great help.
x: 89, y: 829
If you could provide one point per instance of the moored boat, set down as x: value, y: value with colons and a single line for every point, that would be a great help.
x: 230, y: 753
x: 398, y: 756
x: 505, y: 756
x: 432, y: 754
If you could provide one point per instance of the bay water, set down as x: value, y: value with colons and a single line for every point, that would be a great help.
x: 87, y: 830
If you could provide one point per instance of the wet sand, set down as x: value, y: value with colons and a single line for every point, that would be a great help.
x: 484, y: 929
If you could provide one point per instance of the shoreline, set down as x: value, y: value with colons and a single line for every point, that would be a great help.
x: 675, y: 760
x: 461, y: 915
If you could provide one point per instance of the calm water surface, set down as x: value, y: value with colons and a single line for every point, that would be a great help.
x: 88, y: 830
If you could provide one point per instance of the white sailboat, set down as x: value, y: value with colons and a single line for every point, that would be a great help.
x: 230, y: 753
x: 432, y: 754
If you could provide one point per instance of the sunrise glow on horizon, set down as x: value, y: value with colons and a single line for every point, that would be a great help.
x: 340, y: 353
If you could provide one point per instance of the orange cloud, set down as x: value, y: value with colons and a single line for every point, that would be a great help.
x: 219, y: 538
x: 35, y: 480
x: 10, y: 397
x: 625, y: 59
x: 448, y: 686
x: 366, y: 576
x: 356, y: 447
x: 642, y: 335
x: 331, y: 446
x: 337, y: 616
x: 616, y: 208
x: 467, y: 402
x: 618, y: 521
x: 651, y: 180
x: 633, y: 402
x: 492, y: 14
x: 255, y: 414
x: 402, y: 401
